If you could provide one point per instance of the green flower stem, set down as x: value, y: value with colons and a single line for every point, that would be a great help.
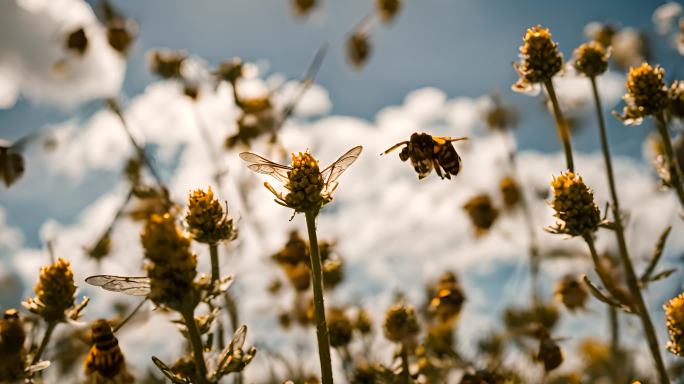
x: 561, y: 125
x: 405, y: 376
x: 46, y: 339
x: 672, y: 163
x: 319, y: 306
x: 196, y: 343
x: 632, y: 281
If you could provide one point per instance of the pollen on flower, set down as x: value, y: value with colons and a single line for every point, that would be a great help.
x: 674, y: 315
x: 540, y: 59
x: 646, y: 94
x: 54, y: 291
x: 206, y: 219
x: 305, y: 184
x: 591, y: 59
x: 573, y: 201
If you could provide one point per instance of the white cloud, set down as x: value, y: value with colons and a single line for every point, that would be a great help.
x: 38, y: 67
x: 394, y: 231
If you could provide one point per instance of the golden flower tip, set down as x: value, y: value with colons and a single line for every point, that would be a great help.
x: 646, y: 94
x: 573, y: 201
x: 540, y: 59
x: 207, y: 220
x: 401, y: 324
x: 54, y: 292
x: 674, y: 316
x: 172, y: 266
x: 591, y: 59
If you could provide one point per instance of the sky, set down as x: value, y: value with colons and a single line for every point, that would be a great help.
x: 431, y: 70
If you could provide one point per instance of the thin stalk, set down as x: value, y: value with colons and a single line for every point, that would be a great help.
x: 213, y: 253
x: 533, y: 246
x: 561, y: 125
x: 672, y: 163
x: 130, y: 316
x: 614, y: 344
x: 196, y: 343
x: 631, y: 278
x: 43, y: 344
x: 319, y: 306
x: 405, y: 377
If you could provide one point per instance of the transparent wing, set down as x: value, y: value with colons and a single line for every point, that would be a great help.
x: 129, y: 285
x: 168, y: 372
x: 334, y: 170
x: 259, y: 164
x: 239, y: 338
x: 39, y: 366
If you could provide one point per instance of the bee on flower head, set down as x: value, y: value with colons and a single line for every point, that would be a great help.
x: 308, y: 187
x: 427, y: 152
x: 105, y: 363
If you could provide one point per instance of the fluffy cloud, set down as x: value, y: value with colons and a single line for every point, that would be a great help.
x: 394, y: 231
x: 37, y: 66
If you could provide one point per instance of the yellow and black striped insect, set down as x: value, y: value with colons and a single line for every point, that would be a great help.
x: 427, y: 152
x: 550, y: 353
x: 105, y: 362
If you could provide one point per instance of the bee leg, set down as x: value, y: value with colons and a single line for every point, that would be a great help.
x: 395, y: 146
x: 438, y: 169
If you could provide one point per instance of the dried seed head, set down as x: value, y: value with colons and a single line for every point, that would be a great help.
x: 295, y: 251
x: 675, y: 94
x: 571, y: 292
x: 646, y: 94
x: 401, y: 324
x: 54, y: 292
x: 674, y: 315
x: 358, y: 49
x: 303, y: 7
x: 299, y: 275
x: 591, y: 59
x: 305, y: 184
x: 576, y: 211
x: 510, y: 191
x: 363, y: 323
x: 540, y: 59
x: 482, y: 212
x: 172, y: 266
x: 340, y: 328
x: 388, y: 9
x: 101, y: 248
x: 167, y: 64
x: 333, y: 273
x: 77, y: 41
x: 121, y: 34
x: 230, y: 70
x: 207, y: 221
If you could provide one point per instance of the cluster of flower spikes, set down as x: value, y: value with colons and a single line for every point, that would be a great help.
x: 573, y: 201
x: 12, y: 352
x: 54, y: 292
x: 207, y: 221
x: 305, y: 184
x: 401, y: 324
x: 674, y: 315
x: 172, y: 266
x: 540, y: 58
x: 646, y: 94
x: 591, y: 59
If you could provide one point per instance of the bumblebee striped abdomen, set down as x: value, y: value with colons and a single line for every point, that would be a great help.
x: 105, y: 358
x: 448, y: 159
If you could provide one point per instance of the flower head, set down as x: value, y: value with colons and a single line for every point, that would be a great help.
x: 510, y: 190
x: 447, y: 298
x: 482, y: 212
x: 388, y: 9
x: 540, y: 59
x: 172, y: 266
x: 206, y: 219
x: 646, y: 94
x: 674, y: 315
x: 591, y: 59
x: 340, y: 328
x: 401, y: 323
x: 54, y: 292
x: 573, y: 201
x: 571, y: 292
x: 308, y: 187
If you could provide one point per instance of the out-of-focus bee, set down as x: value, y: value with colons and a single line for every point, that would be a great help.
x: 427, y: 152
x: 550, y: 353
x: 77, y: 41
x: 571, y: 292
x: 12, y: 352
x: 11, y: 163
x: 303, y: 7
x: 121, y: 32
x: 105, y: 363
x: 482, y: 212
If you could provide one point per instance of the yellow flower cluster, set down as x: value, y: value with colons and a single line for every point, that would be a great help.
x: 674, y: 315
x: 401, y: 324
x: 54, y: 292
x: 540, y: 59
x: 207, y: 221
x: 574, y: 204
x: 172, y: 266
x: 646, y: 93
x: 591, y: 59
x: 305, y: 184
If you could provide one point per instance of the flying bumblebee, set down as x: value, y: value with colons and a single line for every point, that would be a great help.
x: 427, y: 152
x: 550, y: 353
x: 105, y: 362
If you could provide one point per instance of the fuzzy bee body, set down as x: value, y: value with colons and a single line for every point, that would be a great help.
x: 427, y: 152
x: 105, y: 362
x: 550, y: 353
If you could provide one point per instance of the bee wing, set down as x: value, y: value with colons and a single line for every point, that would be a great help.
x: 334, y: 170
x: 129, y: 285
x: 168, y: 372
x: 259, y: 164
x: 441, y: 140
x: 39, y: 366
